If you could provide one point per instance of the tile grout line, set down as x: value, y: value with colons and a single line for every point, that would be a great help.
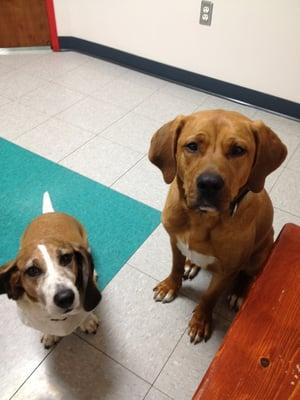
x: 182, y: 293
x: 159, y: 390
x: 46, y: 120
x: 32, y: 372
x: 129, y: 169
x: 100, y: 132
x: 110, y: 357
x: 290, y: 158
x: 276, y: 180
x: 91, y: 138
x: 287, y: 212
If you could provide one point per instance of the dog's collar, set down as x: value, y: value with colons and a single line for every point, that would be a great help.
x: 236, y: 201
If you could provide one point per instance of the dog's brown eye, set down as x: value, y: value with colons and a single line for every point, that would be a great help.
x: 33, y: 271
x: 192, y: 147
x: 237, y: 151
x: 65, y: 259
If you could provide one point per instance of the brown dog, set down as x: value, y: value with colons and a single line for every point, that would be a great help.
x: 217, y: 213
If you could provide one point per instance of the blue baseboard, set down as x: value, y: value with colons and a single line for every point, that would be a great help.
x: 183, y: 77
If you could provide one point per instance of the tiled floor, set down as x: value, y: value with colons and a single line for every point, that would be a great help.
x: 97, y: 118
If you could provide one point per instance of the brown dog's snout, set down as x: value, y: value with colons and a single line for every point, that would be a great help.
x: 210, y: 184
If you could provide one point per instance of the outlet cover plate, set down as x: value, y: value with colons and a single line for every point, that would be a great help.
x: 206, y: 12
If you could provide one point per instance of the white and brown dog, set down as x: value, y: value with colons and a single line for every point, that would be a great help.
x: 52, y: 277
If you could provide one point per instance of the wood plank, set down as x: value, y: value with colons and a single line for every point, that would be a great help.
x: 260, y: 356
x: 23, y: 23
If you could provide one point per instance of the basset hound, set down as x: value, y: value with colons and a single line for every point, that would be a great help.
x: 52, y: 277
x: 217, y: 213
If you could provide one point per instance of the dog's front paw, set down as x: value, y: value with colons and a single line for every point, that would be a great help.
x: 190, y: 270
x: 166, y: 290
x: 200, y: 326
x: 49, y: 340
x: 90, y: 324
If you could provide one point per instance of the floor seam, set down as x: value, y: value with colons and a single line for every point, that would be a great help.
x: 129, y: 169
x: 32, y: 372
x: 91, y: 138
x: 287, y: 212
x: 110, y: 357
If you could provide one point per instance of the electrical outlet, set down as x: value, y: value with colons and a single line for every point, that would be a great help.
x: 206, y: 12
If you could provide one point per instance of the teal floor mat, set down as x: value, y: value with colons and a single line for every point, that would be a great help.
x: 116, y: 224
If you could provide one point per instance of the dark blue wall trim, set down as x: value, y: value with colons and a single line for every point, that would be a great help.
x: 184, y: 77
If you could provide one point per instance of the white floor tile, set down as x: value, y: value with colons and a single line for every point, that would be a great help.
x: 54, y: 139
x: 21, y: 350
x: 54, y: 64
x: 16, y: 119
x: 17, y: 83
x: 281, y: 218
x: 102, y: 160
x: 286, y: 192
x: 188, y: 363
x: 163, y: 107
x: 278, y: 122
x: 155, y: 394
x: 144, y: 182
x: 272, y: 178
x: 123, y: 93
x: 294, y: 162
x: 154, y: 256
x: 18, y: 60
x: 75, y: 370
x: 186, y: 93
x: 4, y: 70
x: 134, y: 131
x: 91, y: 114
x: 88, y: 77
x: 135, y: 330
x: 213, y: 102
x: 110, y: 67
x: 4, y: 100
x: 51, y: 98
x: 142, y: 79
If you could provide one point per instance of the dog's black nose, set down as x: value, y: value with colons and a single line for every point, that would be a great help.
x: 64, y: 298
x: 209, y: 183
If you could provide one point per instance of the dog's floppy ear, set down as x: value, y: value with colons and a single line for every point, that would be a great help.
x: 162, y: 151
x: 270, y: 153
x: 10, y: 280
x: 91, y: 294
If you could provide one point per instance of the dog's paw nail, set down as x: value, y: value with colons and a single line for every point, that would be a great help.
x: 169, y: 297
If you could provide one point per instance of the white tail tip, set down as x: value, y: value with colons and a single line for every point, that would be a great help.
x: 47, y: 204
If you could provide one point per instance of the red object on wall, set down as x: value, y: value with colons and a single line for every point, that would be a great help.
x: 52, y: 25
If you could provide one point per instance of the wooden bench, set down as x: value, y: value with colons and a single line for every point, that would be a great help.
x: 260, y: 356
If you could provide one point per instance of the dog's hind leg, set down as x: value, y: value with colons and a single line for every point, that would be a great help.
x: 247, y: 274
x: 190, y: 270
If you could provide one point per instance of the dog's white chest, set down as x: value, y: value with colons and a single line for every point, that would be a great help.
x: 199, y: 259
x: 35, y: 317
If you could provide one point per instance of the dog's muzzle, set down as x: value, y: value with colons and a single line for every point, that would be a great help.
x: 209, y: 185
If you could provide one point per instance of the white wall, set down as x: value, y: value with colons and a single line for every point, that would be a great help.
x: 252, y: 43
